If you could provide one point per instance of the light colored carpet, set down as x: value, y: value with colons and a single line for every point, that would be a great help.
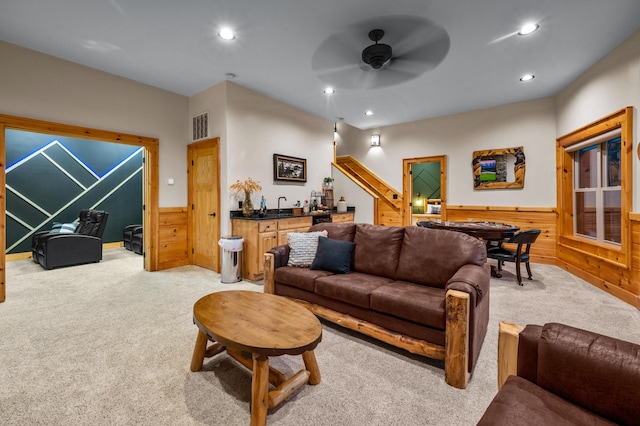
x: 111, y: 344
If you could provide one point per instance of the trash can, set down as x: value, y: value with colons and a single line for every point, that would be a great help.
x: 231, y: 259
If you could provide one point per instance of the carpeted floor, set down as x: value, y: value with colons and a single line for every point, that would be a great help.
x: 111, y: 344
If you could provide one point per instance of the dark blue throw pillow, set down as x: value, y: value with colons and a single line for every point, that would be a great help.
x: 333, y: 255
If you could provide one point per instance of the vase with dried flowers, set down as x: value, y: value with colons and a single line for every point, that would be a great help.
x: 246, y: 188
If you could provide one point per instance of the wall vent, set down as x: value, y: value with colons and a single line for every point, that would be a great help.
x: 200, y: 126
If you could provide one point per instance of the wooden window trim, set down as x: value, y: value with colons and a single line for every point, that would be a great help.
x: 617, y: 255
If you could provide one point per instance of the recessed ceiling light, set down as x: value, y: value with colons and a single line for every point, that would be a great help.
x: 368, y: 112
x: 528, y: 28
x: 329, y: 91
x: 226, y: 34
x: 527, y: 77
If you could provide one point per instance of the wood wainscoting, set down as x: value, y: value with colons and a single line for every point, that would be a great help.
x: 542, y: 218
x: 614, y: 278
x: 172, y: 238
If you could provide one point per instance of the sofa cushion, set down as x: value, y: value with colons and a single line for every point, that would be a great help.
x: 520, y: 402
x: 596, y: 371
x: 337, y: 231
x: 424, y: 248
x: 377, y: 249
x: 333, y: 255
x: 354, y: 288
x: 303, y: 278
x: 418, y: 303
x: 303, y: 247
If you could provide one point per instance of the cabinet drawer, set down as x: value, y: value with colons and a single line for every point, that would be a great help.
x: 294, y: 223
x: 342, y: 217
x: 267, y: 225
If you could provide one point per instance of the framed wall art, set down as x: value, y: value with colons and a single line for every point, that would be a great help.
x: 491, y: 168
x: 289, y: 169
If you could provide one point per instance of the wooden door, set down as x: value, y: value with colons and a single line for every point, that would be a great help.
x: 204, y: 203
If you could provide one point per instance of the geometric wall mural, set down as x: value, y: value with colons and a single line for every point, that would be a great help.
x: 51, y: 178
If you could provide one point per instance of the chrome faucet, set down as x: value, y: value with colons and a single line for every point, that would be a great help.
x: 279, y: 209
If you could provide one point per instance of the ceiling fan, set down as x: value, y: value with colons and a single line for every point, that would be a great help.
x: 412, y: 46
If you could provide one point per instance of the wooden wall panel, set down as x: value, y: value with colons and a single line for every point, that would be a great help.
x: 172, y: 237
x: 543, y: 250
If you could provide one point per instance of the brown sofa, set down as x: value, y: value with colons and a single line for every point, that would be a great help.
x: 423, y: 290
x: 560, y: 375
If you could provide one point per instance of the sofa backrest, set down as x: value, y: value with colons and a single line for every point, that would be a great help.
x: 596, y: 372
x: 336, y: 231
x: 377, y: 249
x: 432, y: 256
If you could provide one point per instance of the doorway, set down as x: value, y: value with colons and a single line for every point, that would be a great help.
x: 204, y: 203
x: 150, y: 180
x: 424, y: 188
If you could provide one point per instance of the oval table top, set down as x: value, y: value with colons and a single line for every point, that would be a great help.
x: 260, y: 323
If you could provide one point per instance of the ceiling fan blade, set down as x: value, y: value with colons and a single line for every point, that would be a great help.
x: 337, y: 51
x: 346, y: 77
x: 378, y: 79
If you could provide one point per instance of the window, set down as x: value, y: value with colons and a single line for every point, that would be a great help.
x: 595, y: 194
x: 597, y: 188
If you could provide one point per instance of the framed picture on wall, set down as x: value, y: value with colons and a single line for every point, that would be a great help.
x: 291, y: 169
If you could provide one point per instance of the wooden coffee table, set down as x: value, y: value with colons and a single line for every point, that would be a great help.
x: 263, y: 325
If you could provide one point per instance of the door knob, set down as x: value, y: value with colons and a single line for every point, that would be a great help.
x: 212, y: 214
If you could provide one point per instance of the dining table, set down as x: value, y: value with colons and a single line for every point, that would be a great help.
x: 489, y: 232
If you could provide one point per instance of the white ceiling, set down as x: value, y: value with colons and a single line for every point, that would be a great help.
x: 173, y: 45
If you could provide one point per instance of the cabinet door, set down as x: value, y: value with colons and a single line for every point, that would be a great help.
x: 266, y: 241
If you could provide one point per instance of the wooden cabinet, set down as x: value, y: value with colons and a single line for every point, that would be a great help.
x: 294, y: 224
x: 262, y: 235
x: 342, y: 217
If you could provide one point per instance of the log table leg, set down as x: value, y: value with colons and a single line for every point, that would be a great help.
x: 259, y: 390
x: 198, y: 351
x: 311, y: 365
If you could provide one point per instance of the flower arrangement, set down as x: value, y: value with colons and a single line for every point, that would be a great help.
x: 247, y: 187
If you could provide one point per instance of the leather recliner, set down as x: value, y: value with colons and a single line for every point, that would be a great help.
x: 128, y: 235
x: 53, y: 250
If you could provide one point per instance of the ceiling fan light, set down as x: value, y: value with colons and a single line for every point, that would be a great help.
x: 377, y: 55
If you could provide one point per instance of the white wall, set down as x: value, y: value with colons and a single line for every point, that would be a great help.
x: 528, y: 124
x: 256, y: 128
x: 610, y: 85
x: 37, y: 86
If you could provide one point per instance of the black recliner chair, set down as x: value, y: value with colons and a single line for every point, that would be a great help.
x: 132, y: 238
x: 52, y: 249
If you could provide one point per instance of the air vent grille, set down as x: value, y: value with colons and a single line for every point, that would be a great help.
x: 201, y: 126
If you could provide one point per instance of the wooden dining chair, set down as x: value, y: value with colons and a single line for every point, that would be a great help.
x: 523, y: 239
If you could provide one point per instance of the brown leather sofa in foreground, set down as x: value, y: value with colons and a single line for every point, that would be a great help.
x: 422, y: 290
x: 559, y: 375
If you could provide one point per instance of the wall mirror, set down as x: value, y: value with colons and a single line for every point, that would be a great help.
x: 499, y: 168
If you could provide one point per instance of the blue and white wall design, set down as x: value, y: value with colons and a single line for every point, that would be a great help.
x: 51, y: 178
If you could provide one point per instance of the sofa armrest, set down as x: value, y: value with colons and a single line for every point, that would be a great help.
x: 471, y: 279
x: 274, y: 258
x: 281, y: 255
x: 508, y: 337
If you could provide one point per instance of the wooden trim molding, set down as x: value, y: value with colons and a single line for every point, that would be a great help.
x: 151, y: 146
x: 407, y: 165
